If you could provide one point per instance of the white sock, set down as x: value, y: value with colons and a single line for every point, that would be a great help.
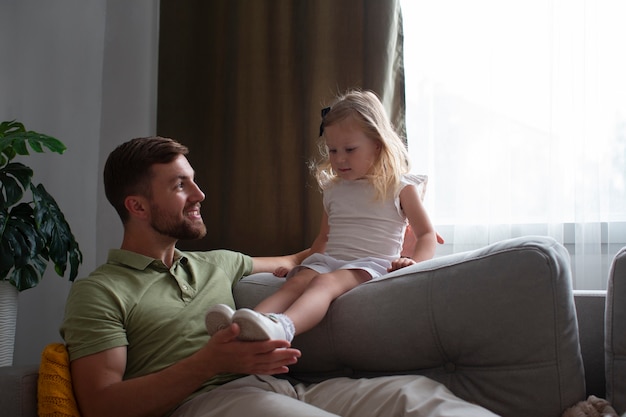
x: 287, y: 323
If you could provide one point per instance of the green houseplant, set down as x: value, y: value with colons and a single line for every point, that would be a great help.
x: 33, y: 232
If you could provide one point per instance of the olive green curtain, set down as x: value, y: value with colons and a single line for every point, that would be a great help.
x: 242, y: 83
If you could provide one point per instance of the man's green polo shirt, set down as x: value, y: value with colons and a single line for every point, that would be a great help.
x: 157, y: 312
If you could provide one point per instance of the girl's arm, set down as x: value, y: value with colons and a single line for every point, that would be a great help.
x: 319, y: 244
x: 422, y: 228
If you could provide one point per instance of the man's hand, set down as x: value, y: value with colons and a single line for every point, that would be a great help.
x: 229, y: 354
x: 273, y: 263
x: 101, y: 390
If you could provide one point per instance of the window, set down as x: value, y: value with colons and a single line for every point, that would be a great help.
x: 517, y: 112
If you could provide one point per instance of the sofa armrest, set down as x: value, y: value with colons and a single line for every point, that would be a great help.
x: 615, y: 337
x: 496, y: 325
x: 18, y: 390
x: 590, y: 306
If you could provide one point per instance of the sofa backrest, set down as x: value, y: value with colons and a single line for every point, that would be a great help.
x: 615, y: 328
x: 496, y: 325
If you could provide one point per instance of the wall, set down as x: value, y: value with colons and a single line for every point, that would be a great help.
x: 85, y: 72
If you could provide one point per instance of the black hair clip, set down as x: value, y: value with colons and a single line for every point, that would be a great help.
x: 325, y: 111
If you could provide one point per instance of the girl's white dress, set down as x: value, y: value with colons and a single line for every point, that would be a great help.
x: 365, y: 233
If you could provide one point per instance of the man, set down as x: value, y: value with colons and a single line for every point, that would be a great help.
x: 134, y: 328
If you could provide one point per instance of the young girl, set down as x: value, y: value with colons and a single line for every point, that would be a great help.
x: 369, y: 197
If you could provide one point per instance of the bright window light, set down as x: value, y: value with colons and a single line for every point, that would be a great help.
x: 517, y: 109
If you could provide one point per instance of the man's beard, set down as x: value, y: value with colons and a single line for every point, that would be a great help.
x: 174, y: 227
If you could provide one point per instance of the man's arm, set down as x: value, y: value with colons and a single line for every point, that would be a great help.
x: 270, y: 264
x: 101, y: 391
x: 281, y: 265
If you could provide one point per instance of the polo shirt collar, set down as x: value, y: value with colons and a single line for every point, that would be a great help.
x: 140, y: 262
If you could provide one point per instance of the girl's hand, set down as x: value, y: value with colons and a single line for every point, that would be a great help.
x: 400, y: 263
x: 281, y: 271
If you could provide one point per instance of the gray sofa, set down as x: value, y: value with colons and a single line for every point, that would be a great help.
x: 500, y: 326
x: 615, y: 341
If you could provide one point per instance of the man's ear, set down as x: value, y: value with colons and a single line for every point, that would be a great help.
x: 137, y: 206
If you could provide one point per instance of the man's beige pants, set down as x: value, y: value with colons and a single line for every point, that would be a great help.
x: 377, y: 397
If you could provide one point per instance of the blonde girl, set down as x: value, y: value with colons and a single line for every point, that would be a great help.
x: 369, y: 200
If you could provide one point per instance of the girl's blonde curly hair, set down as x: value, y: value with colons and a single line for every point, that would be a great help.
x: 393, y: 161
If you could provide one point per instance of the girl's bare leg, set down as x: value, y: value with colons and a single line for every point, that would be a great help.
x: 311, y: 306
x: 289, y: 292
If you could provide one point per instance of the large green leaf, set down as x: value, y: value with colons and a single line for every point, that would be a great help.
x: 10, y: 127
x: 56, y: 232
x: 14, y: 139
x: 28, y: 276
x: 35, y: 232
x: 24, y: 254
x: 14, y: 180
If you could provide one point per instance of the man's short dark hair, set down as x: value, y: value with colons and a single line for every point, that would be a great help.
x: 128, y: 168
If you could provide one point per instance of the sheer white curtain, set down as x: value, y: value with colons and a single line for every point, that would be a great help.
x: 517, y: 112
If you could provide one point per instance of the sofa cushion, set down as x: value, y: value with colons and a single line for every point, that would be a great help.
x: 496, y: 325
x: 18, y: 390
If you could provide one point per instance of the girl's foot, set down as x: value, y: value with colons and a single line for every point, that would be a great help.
x: 217, y: 318
x: 257, y: 326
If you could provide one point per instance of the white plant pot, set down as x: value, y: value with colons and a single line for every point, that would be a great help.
x: 8, y: 321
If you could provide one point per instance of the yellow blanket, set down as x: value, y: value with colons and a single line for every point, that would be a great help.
x: 55, y: 397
